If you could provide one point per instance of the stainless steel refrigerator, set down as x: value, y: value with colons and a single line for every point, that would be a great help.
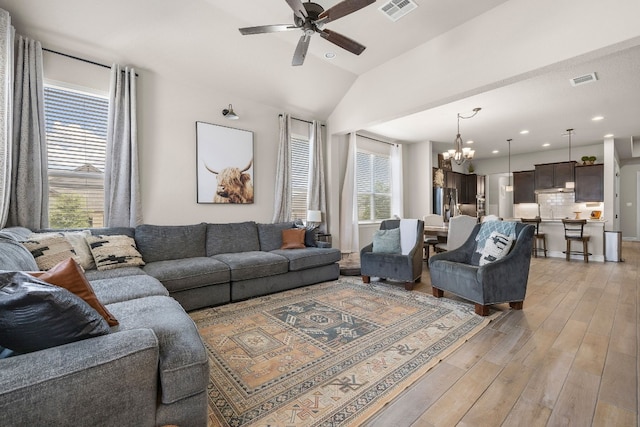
x: 445, y: 202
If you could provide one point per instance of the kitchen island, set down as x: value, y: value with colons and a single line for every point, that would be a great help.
x: 556, y: 244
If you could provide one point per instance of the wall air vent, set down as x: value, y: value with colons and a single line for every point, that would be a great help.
x: 587, y: 78
x: 396, y: 9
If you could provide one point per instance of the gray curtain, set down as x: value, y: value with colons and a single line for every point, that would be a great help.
x: 122, y: 207
x: 29, y: 196
x: 349, y: 230
x: 6, y: 100
x: 316, y: 192
x: 282, y: 202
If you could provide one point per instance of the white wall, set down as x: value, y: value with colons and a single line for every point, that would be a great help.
x: 167, y: 112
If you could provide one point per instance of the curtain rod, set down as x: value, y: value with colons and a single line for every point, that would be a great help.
x: 300, y: 120
x: 78, y: 59
x: 377, y: 140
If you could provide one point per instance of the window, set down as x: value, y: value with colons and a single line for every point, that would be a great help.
x: 373, y: 176
x: 76, y: 132
x: 299, y: 178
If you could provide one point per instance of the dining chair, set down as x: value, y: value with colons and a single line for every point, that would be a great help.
x: 431, y: 220
x: 460, y: 227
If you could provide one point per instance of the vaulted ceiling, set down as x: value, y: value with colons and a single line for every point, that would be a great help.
x: 199, y: 42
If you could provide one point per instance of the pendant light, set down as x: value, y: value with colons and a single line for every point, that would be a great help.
x: 570, y: 184
x: 509, y: 188
x: 457, y: 153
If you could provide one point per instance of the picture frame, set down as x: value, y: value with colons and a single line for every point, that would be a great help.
x: 224, y: 164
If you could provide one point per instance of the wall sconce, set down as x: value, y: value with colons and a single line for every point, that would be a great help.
x: 230, y: 114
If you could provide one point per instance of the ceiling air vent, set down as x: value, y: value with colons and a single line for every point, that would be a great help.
x: 396, y: 9
x: 587, y: 78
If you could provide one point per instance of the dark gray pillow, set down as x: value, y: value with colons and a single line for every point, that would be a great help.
x: 167, y: 242
x: 35, y: 315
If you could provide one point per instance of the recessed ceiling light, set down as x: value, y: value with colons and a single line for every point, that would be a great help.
x: 329, y: 55
x: 597, y: 118
x: 546, y: 144
x: 524, y: 132
x: 495, y: 151
x: 470, y: 141
x: 609, y: 135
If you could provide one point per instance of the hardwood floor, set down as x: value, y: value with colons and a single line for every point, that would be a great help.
x: 569, y: 358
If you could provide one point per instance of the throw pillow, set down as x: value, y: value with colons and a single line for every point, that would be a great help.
x: 35, y: 315
x: 78, y: 241
x: 49, y: 250
x: 496, y: 247
x: 116, y: 251
x: 68, y: 274
x: 387, y: 241
x: 310, y: 234
x: 293, y: 238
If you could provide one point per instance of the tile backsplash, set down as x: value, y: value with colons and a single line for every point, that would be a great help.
x: 557, y: 206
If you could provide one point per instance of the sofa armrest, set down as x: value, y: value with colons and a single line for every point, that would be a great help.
x: 111, y: 379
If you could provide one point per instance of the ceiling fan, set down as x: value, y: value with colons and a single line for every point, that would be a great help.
x: 310, y: 18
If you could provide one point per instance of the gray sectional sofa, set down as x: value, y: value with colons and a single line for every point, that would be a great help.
x: 152, y: 368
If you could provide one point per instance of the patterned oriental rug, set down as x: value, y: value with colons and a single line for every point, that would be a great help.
x: 325, y: 355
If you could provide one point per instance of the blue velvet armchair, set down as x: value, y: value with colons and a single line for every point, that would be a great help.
x: 501, y: 281
x: 406, y: 268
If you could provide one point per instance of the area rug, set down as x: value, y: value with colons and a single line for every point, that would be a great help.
x: 325, y: 355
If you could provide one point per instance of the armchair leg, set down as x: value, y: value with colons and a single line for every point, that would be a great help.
x: 438, y: 293
x: 516, y: 305
x: 482, y: 310
x: 366, y: 279
x: 408, y: 286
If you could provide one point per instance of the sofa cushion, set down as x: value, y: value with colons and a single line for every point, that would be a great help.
x: 254, y: 264
x: 49, y: 250
x: 118, y: 289
x: 183, y: 360
x: 293, y: 238
x: 110, y: 274
x: 15, y: 233
x: 68, y: 274
x: 232, y: 238
x: 302, y: 259
x: 270, y: 235
x: 161, y: 243
x: 16, y: 257
x: 189, y: 273
x: 35, y: 315
x: 114, y: 251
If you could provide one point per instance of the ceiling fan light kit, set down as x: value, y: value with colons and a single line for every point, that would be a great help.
x: 310, y: 18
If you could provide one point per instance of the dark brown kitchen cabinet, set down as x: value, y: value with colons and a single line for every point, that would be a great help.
x: 589, y: 183
x: 467, y: 185
x: 524, y: 187
x: 472, y: 188
x: 553, y: 175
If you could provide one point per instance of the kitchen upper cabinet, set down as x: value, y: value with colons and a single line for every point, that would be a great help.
x: 553, y: 175
x: 524, y: 187
x: 589, y: 183
x: 467, y: 185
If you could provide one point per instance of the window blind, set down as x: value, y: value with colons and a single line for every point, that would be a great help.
x: 299, y: 178
x: 76, y: 132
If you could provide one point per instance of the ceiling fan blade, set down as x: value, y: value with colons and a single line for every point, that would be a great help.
x: 342, y: 41
x: 301, y: 50
x: 267, y: 29
x: 298, y: 8
x: 342, y: 9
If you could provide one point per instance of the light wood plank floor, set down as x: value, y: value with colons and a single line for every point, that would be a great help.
x: 569, y: 358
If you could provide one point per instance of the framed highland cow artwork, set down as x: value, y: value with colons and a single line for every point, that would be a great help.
x: 224, y: 167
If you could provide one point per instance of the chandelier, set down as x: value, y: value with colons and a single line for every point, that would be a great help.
x: 457, y: 153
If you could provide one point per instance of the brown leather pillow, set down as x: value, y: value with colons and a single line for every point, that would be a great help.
x: 293, y: 238
x: 68, y: 274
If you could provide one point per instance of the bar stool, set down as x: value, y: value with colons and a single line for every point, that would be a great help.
x: 537, y: 236
x: 574, y: 231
